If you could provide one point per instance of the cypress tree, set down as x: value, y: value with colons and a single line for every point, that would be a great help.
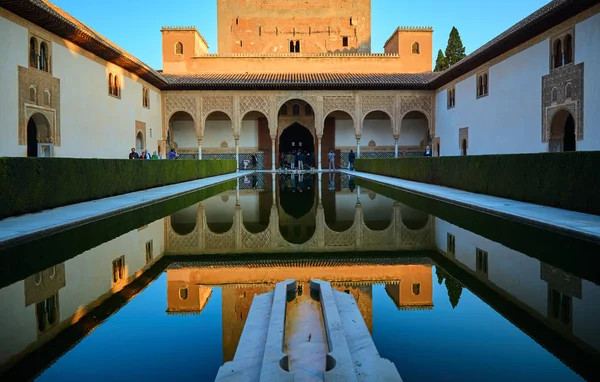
x: 440, y: 62
x: 455, y: 51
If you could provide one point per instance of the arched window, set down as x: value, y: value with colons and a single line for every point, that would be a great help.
x: 298, y: 46
x: 557, y: 54
x: 554, y: 95
x: 43, y: 57
x: 111, y: 83
x: 480, y: 86
x: 183, y: 293
x: 33, y: 52
x: 568, y: 90
x: 415, y: 48
x: 296, y: 109
x: 568, y: 49
x: 178, y: 48
x: 291, y: 47
x: 283, y: 110
x: 47, y: 98
x: 308, y: 110
x: 416, y: 289
x: 32, y: 94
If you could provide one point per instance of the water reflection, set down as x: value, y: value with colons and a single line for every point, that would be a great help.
x: 291, y: 212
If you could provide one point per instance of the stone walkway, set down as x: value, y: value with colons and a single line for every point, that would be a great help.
x: 573, y: 223
x: 57, y: 219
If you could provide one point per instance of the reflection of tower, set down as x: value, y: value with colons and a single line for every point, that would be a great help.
x: 42, y: 289
x: 183, y: 298
x: 414, y: 290
x: 236, y: 303
x: 363, y: 294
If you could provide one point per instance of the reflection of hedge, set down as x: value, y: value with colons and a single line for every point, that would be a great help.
x: 20, y: 261
x: 563, y: 180
x: 36, y: 184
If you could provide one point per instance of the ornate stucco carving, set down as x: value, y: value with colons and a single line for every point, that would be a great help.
x: 342, y: 103
x: 45, y: 102
x: 567, y: 83
x: 416, y: 103
x: 378, y: 103
x: 175, y: 103
x: 248, y: 104
x: 217, y: 103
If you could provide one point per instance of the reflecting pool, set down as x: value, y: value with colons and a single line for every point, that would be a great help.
x: 164, y: 292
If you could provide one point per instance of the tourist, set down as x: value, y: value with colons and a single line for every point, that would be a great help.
x: 331, y: 156
x: 173, y: 154
x: 133, y: 154
x: 300, y: 160
x: 254, y: 161
x: 293, y: 160
x: 351, y: 158
x: 351, y: 184
x: 154, y: 155
x: 427, y: 151
x: 403, y: 153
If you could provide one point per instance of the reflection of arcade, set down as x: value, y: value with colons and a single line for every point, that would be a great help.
x: 297, y: 215
x: 240, y: 284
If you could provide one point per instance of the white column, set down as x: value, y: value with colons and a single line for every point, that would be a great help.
x: 395, y: 147
x: 237, y: 192
x: 319, y: 180
x: 199, y: 148
x: 273, y: 156
x: 237, y: 153
x: 273, y: 187
x: 319, y: 139
x: 357, y: 147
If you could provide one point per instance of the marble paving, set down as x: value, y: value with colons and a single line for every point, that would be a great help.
x: 46, y: 222
x: 573, y: 223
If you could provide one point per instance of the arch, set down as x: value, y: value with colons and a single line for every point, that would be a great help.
x: 308, y: 110
x: 298, y: 46
x: 413, y: 219
x: 183, y: 293
x: 378, y: 212
x: 38, y: 131
x: 295, y: 109
x: 33, y: 52
x: 568, y: 49
x: 256, y: 208
x: 32, y: 94
x: 296, y: 136
x: 139, y: 142
x: 182, y: 132
x: 291, y: 46
x: 183, y: 222
x: 287, y: 100
x: 568, y: 90
x: 307, y: 137
x: 255, y: 138
x: 219, y: 212
x: 43, y: 57
x: 47, y: 98
x: 297, y: 207
x: 557, y: 54
x: 562, y: 132
x: 554, y: 95
x: 338, y: 131
x: 179, y: 48
x: 217, y: 114
x: 111, y: 84
x: 415, y: 48
x: 117, y: 86
x: 416, y: 289
x: 414, y: 131
x: 283, y: 111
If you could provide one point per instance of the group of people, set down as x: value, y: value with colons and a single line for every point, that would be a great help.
x: 296, y: 159
x: 146, y: 155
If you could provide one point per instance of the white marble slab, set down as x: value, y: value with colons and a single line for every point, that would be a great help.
x: 571, y: 222
x: 60, y: 218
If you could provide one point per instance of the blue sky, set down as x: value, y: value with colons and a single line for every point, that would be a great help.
x: 135, y: 25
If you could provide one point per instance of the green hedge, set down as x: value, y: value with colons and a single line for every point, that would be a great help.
x: 564, y: 180
x: 36, y: 184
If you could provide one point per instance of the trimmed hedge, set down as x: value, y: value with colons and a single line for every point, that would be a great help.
x: 36, y: 184
x: 564, y: 180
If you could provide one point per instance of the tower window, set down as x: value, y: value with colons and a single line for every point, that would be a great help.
x: 415, y: 48
x: 344, y: 41
x: 179, y: 48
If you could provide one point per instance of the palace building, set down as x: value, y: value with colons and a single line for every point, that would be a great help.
x: 293, y: 74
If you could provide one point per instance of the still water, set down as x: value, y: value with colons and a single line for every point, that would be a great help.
x: 448, y: 295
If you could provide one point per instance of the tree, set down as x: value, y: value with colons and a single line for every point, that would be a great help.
x: 455, y: 51
x: 440, y: 62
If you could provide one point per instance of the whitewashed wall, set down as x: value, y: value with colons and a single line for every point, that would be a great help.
x: 216, y: 132
x: 587, y: 40
x: 219, y: 209
x: 184, y: 134
x: 519, y: 275
x: 92, y: 123
x: 88, y: 277
x: 378, y: 130
x: 13, y: 48
x: 509, y: 119
x: 412, y: 131
x: 249, y: 134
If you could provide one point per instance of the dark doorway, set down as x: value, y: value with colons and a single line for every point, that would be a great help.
x: 296, y: 137
x: 464, y: 147
x: 32, y: 142
x: 569, y: 137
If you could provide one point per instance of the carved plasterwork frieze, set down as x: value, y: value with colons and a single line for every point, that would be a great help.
x: 46, y: 101
x: 380, y: 103
x: 562, y: 89
x: 339, y: 103
x: 311, y: 100
x: 416, y: 103
x: 175, y: 103
x: 248, y: 104
x: 217, y: 103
